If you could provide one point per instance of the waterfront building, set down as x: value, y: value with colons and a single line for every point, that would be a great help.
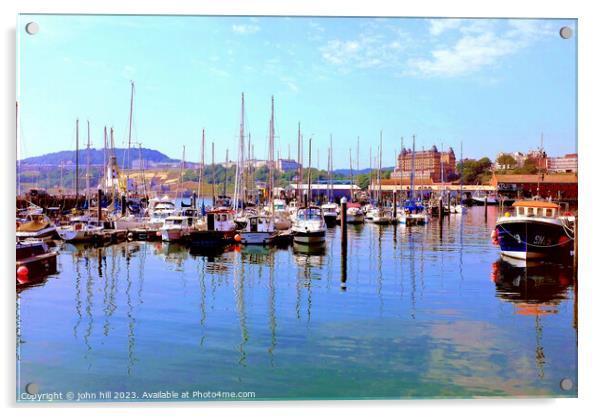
x: 566, y: 163
x: 555, y: 186
x: 428, y: 164
x: 320, y: 190
x: 287, y: 165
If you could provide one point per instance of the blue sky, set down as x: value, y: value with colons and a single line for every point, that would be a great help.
x: 495, y: 85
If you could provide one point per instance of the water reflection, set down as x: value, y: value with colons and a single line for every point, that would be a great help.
x: 535, y: 290
x: 385, y: 314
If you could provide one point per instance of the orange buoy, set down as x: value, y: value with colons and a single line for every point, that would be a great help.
x: 237, y: 238
x: 22, y: 274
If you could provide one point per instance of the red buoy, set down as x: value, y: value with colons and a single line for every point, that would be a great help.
x: 237, y: 238
x: 22, y: 274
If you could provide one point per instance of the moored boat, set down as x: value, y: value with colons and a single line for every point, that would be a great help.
x: 309, y: 226
x: 355, y: 214
x: 412, y: 214
x: 259, y: 230
x: 37, y: 259
x: 178, y: 227
x: 537, y: 230
x: 218, y: 230
x: 330, y: 214
x: 80, y: 228
x: 36, y: 226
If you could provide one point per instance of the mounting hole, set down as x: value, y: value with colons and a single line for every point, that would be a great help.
x: 32, y: 388
x: 566, y: 384
x: 566, y: 32
x: 32, y: 28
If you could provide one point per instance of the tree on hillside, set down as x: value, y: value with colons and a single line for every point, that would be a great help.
x: 529, y: 167
x: 506, y: 161
x: 473, y: 171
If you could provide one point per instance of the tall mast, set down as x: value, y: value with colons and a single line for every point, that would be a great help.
x: 104, y: 158
x: 88, y: 166
x: 179, y: 192
x: 351, y: 170
x: 380, y: 167
x: 129, y: 160
x: 299, y: 195
x: 249, y: 183
x: 271, y: 156
x: 226, y: 174
x: 213, y: 171
x: 241, y: 154
x: 462, y: 173
x: 202, y: 166
x: 113, y: 163
x: 76, y: 159
x: 413, y: 160
x: 330, y: 187
x: 370, y: 186
x: 309, y: 198
x: 401, y: 171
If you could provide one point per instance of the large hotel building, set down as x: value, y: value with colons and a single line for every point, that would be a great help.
x: 429, y: 164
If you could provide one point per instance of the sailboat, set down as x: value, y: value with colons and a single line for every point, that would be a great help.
x: 330, y: 209
x: 380, y: 215
x: 412, y: 213
x: 259, y: 225
x: 458, y: 207
x: 309, y: 226
x: 355, y: 213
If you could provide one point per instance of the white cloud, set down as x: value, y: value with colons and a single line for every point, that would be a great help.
x: 480, y: 45
x: 370, y: 49
x: 245, y: 29
x: 438, y: 26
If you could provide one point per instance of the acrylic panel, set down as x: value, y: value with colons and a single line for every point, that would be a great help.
x: 291, y: 208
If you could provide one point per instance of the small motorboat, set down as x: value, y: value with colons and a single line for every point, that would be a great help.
x: 412, y: 213
x: 39, y: 261
x: 178, y: 227
x: 81, y: 228
x: 355, y: 214
x: 330, y: 211
x: 259, y: 230
x: 382, y: 216
x: 309, y: 226
x: 218, y: 230
x: 36, y: 226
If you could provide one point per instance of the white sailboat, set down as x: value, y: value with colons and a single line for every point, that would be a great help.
x: 309, y: 226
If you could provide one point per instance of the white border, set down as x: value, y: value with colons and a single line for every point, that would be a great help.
x: 589, y: 117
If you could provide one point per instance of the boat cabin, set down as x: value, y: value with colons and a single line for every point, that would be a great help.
x: 311, y: 213
x: 220, y: 220
x: 543, y: 209
x: 180, y: 220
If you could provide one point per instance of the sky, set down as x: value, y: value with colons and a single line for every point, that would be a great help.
x: 486, y: 85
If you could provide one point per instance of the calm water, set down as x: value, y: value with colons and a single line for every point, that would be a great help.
x: 412, y: 312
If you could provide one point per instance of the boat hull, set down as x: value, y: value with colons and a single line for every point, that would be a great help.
x: 255, y: 238
x: 45, y: 234
x: 211, y: 239
x: 412, y: 220
x: 40, y: 265
x: 355, y: 219
x: 172, y: 235
x: 330, y: 220
x: 309, y: 237
x: 77, y: 235
x: 531, y: 239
